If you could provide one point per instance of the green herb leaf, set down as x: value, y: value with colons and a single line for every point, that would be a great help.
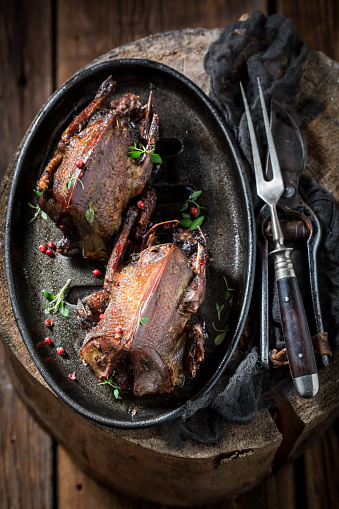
x: 134, y: 152
x: 197, y: 222
x: 142, y: 319
x: 228, y: 290
x: 55, y: 303
x: 219, y: 309
x: 116, y: 388
x: 68, y: 184
x: 155, y: 158
x: 134, y: 155
x: 89, y: 214
x: 63, y: 309
x: 218, y: 330
x: 189, y: 220
x: 35, y: 215
x: 186, y: 223
x: 195, y: 195
x: 219, y: 338
x: 38, y: 211
x: 36, y: 207
x: 48, y: 295
x: 134, y: 147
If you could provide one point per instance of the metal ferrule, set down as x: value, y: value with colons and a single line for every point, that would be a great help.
x: 282, y: 263
x: 307, y: 386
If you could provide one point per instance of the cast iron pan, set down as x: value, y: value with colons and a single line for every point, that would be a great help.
x: 198, y: 154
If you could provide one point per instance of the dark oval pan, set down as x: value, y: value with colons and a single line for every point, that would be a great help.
x: 199, y: 154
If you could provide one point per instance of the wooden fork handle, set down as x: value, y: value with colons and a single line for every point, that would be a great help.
x: 297, y: 338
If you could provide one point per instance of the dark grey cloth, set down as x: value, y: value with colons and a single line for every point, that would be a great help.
x: 260, y: 47
x: 267, y: 48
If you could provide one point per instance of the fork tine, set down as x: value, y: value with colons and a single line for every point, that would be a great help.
x: 277, y: 177
x: 259, y: 177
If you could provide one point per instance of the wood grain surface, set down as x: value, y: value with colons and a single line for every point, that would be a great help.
x: 43, y: 43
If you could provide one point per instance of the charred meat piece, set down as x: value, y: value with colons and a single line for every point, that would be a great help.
x: 90, y: 180
x: 143, y: 340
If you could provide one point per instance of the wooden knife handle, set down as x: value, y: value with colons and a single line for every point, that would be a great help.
x: 297, y: 338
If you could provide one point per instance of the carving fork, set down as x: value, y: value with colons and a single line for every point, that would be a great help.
x: 294, y: 323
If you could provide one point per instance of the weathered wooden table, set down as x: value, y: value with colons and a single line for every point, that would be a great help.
x: 197, y: 474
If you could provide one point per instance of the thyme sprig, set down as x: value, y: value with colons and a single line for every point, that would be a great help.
x: 38, y: 211
x: 220, y: 337
x: 135, y: 152
x: 117, y: 389
x: 55, y: 303
x: 228, y: 289
x: 69, y: 182
x: 37, y: 208
x: 142, y: 319
x: 187, y: 221
x: 219, y: 307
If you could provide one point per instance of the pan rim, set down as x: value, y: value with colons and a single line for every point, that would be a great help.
x: 250, y: 266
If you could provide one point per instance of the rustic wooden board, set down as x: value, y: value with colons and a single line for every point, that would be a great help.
x: 252, y: 446
x: 243, y: 457
x: 317, y: 23
x: 26, y: 69
x: 26, y: 463
x: 26, y: 450
x: 122, y: 21
x: 319, y: 468
x: 318, y: 107
x: 106, y: 28
x: 257, y: 444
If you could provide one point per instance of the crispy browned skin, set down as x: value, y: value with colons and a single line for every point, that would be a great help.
x: 107, y: 180
x: 159, y: 283
x: 153, y: 287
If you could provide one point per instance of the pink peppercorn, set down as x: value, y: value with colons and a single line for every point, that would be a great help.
x: 96, y: 272
x: 43, y: 248
x: 194, y: 211
x: 48, y: 340
x: 140, y: 204
x: 60, y: 350
x: 101, y: 316
x: 49, y: 252
x: 79, y: 163
x: 49, y: 323
x: 118, y: 330
x: 51, y: 244
x: 72, y: 376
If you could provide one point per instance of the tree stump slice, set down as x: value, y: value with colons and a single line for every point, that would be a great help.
x: 144, y: 464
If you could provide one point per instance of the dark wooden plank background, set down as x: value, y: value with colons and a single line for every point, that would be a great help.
x: 42, y: 43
